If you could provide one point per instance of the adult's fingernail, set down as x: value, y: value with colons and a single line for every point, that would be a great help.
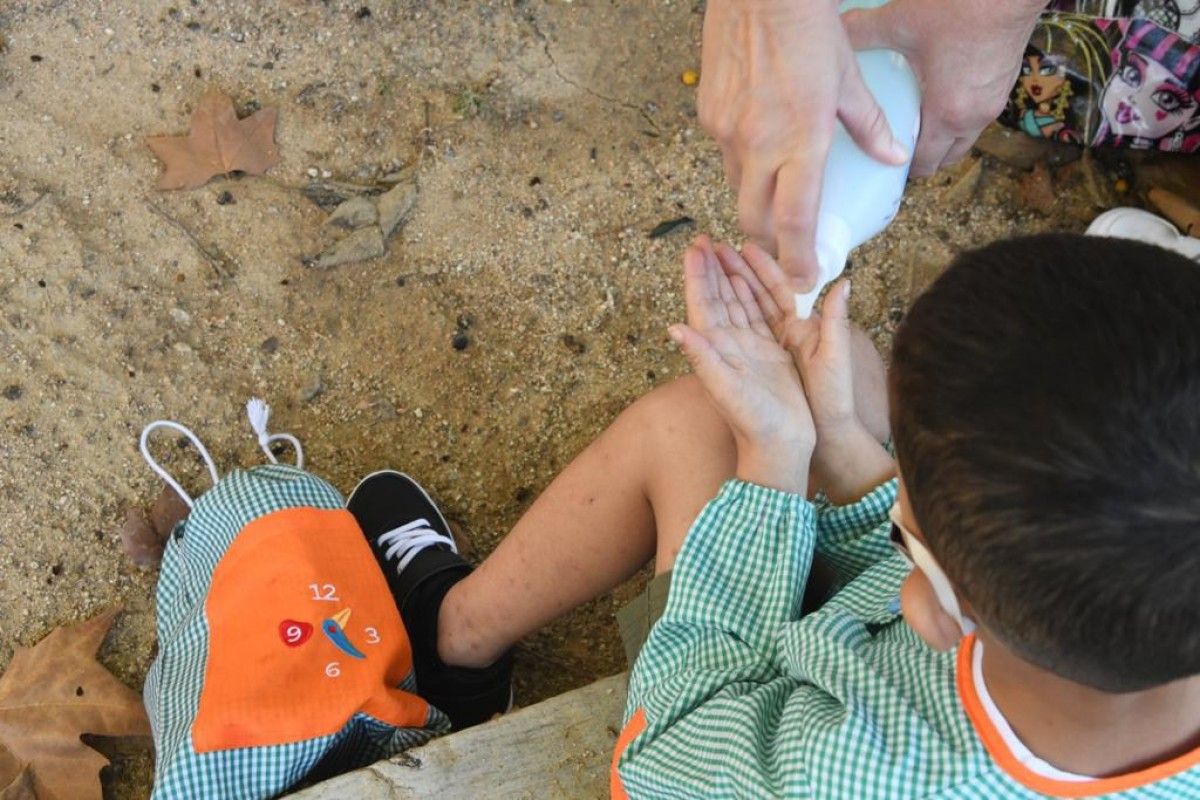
x: 847, y: 290
x: 898, y: 151
x: 675, y: 334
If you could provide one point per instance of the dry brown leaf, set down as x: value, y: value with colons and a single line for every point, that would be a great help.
x: 218, y: 143
x: 51, y: 694
x: 20, y: 787
x: 1036, y: 190
x: 360, y: 245
x: 1022, y: 151
x: 1177, y: 209
x: 168, y: 511
x: 1170, y: 171
x: 139, y: 541
x: 962, y: 187
x: 395, y: 205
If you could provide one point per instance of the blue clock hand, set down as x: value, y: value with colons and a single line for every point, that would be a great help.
x: 333, y: 629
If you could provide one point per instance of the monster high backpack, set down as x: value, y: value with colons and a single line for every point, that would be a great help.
x: 282, y: 655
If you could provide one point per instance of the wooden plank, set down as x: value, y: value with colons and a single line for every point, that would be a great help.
x: 561, y: 747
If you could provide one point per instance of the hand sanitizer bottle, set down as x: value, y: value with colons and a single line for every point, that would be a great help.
x: 860, y: 195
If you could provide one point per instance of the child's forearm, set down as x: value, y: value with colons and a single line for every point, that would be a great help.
x: 853, y: 464
x: 779, y: 465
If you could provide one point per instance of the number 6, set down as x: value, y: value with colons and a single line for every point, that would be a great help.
x: 332, y: 670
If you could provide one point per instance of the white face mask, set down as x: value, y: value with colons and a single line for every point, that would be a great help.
x: 917, y: 555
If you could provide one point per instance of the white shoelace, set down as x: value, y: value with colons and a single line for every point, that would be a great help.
x: 410, y: 539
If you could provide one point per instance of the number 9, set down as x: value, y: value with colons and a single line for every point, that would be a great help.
x: 293, y: 634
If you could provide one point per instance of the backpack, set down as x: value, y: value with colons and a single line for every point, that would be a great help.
x: 281, y: 653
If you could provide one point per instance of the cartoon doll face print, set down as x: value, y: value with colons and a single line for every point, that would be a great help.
x: 1145, y: 100
x: 1042, y: 77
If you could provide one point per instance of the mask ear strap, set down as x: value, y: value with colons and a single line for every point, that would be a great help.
x: 918, y: 556
x: 259, y: 412
x: 941, y: 585
x: 143, y: 445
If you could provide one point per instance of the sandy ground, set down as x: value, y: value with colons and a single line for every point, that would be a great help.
x: 547, y: 138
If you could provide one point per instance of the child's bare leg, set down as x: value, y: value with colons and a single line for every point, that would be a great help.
x: 632, y: 492
x: 630, y: 495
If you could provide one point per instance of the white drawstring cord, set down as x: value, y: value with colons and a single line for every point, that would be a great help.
x: 259, y: 412
x: 162, y: 473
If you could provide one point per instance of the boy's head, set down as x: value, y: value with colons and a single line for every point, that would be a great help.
x: 1045, y: 397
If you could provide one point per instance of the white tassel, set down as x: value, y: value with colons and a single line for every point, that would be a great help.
x: 259, y: 413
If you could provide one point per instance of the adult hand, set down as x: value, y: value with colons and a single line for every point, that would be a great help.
x: 775, y: 76
x: 966, y: 55
x: 749, y: 376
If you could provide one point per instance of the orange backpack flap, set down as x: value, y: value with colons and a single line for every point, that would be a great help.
x: 303, y: 634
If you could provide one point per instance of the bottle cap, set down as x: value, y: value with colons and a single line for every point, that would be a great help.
x: 834, y: 240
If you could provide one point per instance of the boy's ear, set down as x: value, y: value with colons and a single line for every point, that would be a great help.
x: 925, y: 615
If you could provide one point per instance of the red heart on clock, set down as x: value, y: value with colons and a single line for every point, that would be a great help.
x: 294, y: 633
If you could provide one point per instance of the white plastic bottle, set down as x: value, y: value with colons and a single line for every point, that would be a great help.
x: 859, y: 195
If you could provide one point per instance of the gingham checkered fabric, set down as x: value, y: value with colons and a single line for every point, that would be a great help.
x: 742, y: 699
x: 175, y: 681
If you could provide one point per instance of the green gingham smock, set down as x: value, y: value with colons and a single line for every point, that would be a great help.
x: 735, y: 696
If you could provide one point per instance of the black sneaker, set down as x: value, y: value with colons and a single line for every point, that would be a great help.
x: 401, y: 522
x: 415, y: 549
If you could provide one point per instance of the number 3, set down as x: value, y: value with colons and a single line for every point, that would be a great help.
x: 329, y: 589
x: 332, y: 670
x: 372, y: 636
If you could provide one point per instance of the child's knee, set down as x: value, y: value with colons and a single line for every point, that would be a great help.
x: 681, y: 404
x: 678, y: 419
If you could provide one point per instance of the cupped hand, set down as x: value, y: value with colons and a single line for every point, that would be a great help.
x: 846, y: 458
x: 966, y: 56
x: 775, y: 77
x: 751, y: 379
x: 820, y: 345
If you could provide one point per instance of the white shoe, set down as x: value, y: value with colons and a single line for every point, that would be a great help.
x: 1142, y: 226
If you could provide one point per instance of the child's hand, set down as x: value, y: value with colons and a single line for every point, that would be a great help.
x: 750, y: 377
x: 846, y: 454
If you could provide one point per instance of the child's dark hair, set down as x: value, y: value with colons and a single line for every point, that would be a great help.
x: 1045, y: 397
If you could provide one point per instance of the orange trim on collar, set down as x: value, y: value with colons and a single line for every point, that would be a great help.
x: 998, y: 750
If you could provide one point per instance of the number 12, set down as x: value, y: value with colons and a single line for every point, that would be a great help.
x: 330, y: 592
